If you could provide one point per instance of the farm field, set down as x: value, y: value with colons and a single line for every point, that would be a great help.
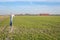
x: 31, y: 28
x: 3, y: 19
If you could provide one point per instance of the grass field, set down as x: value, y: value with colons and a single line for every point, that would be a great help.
x: 31, y: 28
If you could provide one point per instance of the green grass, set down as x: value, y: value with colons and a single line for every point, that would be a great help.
x: 32, y: 28
x: 4, y: 21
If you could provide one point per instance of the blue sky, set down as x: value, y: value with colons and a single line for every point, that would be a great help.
x: 29, y: 6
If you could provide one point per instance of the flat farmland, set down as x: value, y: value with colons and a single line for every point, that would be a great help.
x: 4, y: 20
x: 31, y: 28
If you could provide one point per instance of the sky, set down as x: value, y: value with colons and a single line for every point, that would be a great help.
x: 29, y: 6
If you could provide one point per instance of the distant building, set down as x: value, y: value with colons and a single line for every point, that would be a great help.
x: 45, y: 14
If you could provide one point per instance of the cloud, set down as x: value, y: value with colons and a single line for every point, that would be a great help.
x: 29, y: 0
